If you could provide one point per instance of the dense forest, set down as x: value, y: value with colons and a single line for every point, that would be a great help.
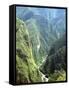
x: 40, y: 45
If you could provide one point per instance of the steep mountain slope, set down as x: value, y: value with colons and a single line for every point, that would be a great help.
x: 40, y: 37
x: 26, y: 69
x: 55, y: 64
x: 44, y: 26
x: 23, y: 13
x: 38, y: 42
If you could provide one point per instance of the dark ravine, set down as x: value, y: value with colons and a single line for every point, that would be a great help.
x: 43, y: 24
x: 55, y: 64
x: 40, y: 45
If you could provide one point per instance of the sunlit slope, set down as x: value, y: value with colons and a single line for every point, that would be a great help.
x: 26, y: 69
x: 44, y: 26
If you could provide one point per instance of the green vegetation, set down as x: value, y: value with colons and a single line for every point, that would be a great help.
x: 55, y: 64
x: 26, y: 69
x: 40, y: 45
x: 58, y: 76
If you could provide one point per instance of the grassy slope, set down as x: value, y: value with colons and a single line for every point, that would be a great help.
x: 26, y: 69
x: 36, y: 39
